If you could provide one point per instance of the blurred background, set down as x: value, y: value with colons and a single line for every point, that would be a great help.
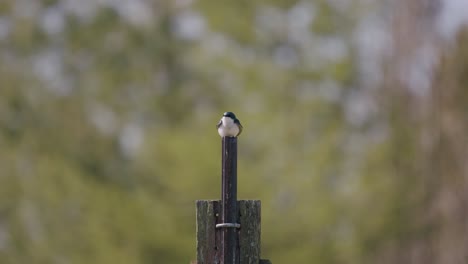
x: 355, y: 119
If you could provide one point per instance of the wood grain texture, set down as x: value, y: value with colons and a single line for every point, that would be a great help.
x: 209, y: 238
x: 249, y: 233
x: 206, y: 231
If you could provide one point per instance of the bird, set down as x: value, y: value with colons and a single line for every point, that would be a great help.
x: 229, y: 125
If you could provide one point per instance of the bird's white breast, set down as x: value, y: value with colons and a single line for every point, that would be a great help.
x: 228, y: 128
x: 227, y: 121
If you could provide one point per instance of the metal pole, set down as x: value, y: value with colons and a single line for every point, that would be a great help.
x: 229, y: 224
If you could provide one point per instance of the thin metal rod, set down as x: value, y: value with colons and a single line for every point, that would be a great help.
x: 229, y: 239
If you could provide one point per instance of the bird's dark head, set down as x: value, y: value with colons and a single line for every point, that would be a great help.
x: 230, y: 114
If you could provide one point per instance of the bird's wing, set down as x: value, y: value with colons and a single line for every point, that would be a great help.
x: 236, y: 121
x: 219, y: 123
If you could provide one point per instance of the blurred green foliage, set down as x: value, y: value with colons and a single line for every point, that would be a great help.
x: 107, y: 116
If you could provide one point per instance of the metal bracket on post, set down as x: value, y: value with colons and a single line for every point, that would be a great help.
x: 227, y: 225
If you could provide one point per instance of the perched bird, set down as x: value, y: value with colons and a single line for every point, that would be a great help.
x: 229, y: 125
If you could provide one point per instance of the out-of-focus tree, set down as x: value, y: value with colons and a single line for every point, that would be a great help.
x: 420, y: 177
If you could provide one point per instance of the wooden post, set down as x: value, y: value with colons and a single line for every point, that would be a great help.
x: 228, y: 226
x: 249, y: 237
x: 228, y: 231
x: 209, y: 237
x: 207, y: 243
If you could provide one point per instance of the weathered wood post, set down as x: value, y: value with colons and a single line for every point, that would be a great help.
x: 229, y: 246
x: 228, y: 231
